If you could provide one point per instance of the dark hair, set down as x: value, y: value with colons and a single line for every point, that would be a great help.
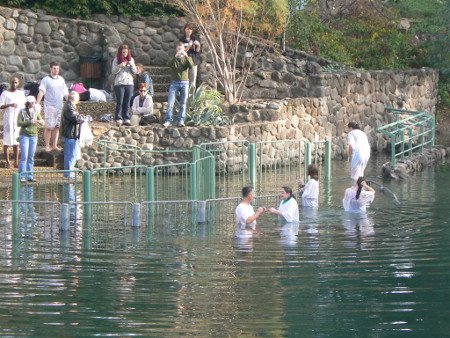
x: 288, y: 190
x: 246, y: 191
x: 120, y: 58
x: 53, y: 64
x: 359, y: 184
x: 190, y: 25
x: 28, y: 105
x: 353, y: 125
x: 313, y: 171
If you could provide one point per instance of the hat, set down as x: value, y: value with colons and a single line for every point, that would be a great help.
x: 143, y: 86
x: 30, y: 99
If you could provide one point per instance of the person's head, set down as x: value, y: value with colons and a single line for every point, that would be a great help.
x: 73, y: 97
x: 248, y: 194
x: 180, y: 46
x: 353, y: 125
x: 30, y: 101
x: 139, y: 68
x: 313, y: 171
x: 286, y: 193
x: 54, y: 68
x: 143, y: 90
x: 359, y: 184
x: 123, y: 53
x: 189, y: 29
x: 14, y: 83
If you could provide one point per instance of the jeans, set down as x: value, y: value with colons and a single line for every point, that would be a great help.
x: 123, y: 97
x: 70, y: 156
x: 183, y: 88
x: 27, y: 150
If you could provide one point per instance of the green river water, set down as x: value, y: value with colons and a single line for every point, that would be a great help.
x: 386, y: 274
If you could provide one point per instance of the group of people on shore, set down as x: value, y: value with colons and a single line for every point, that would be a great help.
x: 183, y: 66
x: 356, y: 198
x: 22, y: 118
x: 22, y: 115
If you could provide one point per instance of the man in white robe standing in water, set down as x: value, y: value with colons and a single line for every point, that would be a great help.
x: 358, y: 150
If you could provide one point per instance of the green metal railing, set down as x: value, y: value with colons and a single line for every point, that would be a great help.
x: 414, y: 132
x: 196, y: 176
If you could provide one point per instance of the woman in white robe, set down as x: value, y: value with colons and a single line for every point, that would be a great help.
x: 12, y: 101
x: 288, y: 208
x: 358, y: 197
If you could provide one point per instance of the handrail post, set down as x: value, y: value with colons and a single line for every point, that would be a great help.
x: 87, y: 194
x: 194, y: 181
x: 252, y: 164
x: 433, y: 132
x: 327, y: 160
x: 15, y: 197
x: 393, y: 142
x: 410, y: 141
x: 150, y: 184
x: 402, y: 145
x: 307, y: 158
x: 212, y: 177
x: 421, y: 137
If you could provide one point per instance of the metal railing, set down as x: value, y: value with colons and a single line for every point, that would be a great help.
x: 196, y: 177
x: 413, y: 132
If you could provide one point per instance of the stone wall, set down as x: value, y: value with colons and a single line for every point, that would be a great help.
x: 30, y: 40
x: 359, y: 97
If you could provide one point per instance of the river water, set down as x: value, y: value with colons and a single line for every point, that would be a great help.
x: 386, y: 274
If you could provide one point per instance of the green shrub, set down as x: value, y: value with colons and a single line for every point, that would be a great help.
x: 204, y: 108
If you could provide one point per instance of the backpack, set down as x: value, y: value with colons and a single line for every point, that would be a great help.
x: 148, y: 119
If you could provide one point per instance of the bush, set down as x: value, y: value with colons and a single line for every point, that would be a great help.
x: 204, y: 108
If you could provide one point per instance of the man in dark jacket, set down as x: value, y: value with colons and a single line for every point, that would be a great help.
x: 71, y: 121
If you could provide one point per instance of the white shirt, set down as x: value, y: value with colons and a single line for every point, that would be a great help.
x: 359, y: 142
x: 54, y: 89
x: 351, y: 204
x: 310, y: 195
x: 289, y: 210
x: 243, y: 212
x: 147, y: 106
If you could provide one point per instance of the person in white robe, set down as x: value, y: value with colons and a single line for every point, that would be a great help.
x: 309, y: 193
x: 12, y: 101
x: 245, y: 215
x: 358, y: 197
x: 288, y: 209
x: 358, y: 150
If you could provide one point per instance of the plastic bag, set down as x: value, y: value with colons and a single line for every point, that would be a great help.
x: 86, y: 136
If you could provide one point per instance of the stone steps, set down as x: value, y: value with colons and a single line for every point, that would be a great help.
x: 161, y: 81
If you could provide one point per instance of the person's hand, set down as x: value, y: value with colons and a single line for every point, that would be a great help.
x: 196, y: 43
x: 124, y: 64
x: 261, y: 210
x: 13, y: 105
x: 272, y: 210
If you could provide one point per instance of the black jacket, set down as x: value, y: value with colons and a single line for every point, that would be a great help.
x: 70, y: 121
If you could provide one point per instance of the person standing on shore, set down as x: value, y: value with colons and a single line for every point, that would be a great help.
x: 124, y: 69
x: 71, y: 132
x: 192, y: 48
x: 53, y: 90
x: 29, y: 120
x: 12, y: 101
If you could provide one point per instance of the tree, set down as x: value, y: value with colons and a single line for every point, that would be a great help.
x: 234, y: 32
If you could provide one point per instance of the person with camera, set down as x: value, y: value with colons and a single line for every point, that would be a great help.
x: 179, y: 65
x: 124, y: 69
x: 192, y: 48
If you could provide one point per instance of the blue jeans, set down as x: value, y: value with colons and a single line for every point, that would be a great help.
x: 123, y: 97
x: 183, y: 88
x: 27, y: 150
x: 70, y: 156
